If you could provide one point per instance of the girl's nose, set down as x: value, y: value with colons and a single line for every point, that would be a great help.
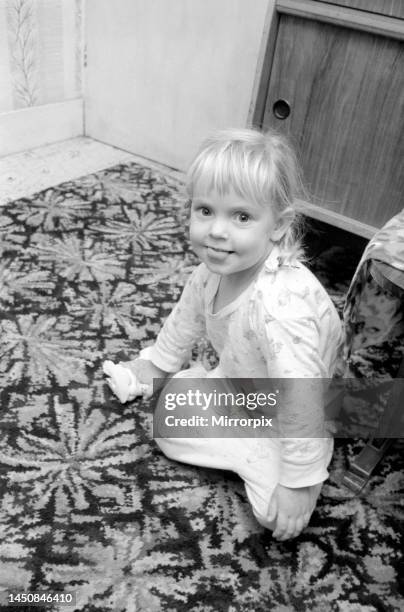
x: 218, y: 228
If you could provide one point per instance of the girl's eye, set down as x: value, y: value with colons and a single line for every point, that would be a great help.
x: 200, y: 209
x: 243, y: 217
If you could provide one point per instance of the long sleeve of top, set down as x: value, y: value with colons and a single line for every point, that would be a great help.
x: 182, y: 328
x: 299, y: 333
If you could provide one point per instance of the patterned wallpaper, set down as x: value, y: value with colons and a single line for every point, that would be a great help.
x: 40, y: 52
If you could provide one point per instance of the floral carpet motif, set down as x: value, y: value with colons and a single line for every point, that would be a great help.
x: 88, y: 503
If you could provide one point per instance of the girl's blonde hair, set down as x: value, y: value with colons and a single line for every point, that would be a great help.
x: 260, y: 167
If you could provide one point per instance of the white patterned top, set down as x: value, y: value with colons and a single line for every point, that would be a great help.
x: 284, y: 325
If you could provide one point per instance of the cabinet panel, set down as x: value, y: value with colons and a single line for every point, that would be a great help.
x: 346, y: 93
x: 392, y: 8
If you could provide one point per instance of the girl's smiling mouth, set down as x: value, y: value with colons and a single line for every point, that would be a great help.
x: 217, y: 250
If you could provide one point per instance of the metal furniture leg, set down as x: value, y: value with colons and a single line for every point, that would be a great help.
x: 362, y: 466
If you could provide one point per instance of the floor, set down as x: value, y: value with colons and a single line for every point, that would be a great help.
x: 23, y: 174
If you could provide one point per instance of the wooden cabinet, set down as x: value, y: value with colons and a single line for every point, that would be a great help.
x: 339, y: 73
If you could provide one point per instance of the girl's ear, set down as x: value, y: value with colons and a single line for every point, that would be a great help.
x: 282, y: 226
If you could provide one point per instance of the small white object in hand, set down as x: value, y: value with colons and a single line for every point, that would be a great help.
x: 122, y: 382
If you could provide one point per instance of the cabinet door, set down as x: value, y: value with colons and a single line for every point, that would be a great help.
x: 345, y: 89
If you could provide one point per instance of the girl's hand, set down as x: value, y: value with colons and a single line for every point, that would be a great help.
x: 292, y: 509
x: 144, y: 370
x: 128, y: 380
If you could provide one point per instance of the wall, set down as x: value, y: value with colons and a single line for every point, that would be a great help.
x: 40, y: 72
x: 161, y: 74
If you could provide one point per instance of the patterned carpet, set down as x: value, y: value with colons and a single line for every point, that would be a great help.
x: 89, y: 505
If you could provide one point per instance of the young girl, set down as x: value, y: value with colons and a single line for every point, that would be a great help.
x: 264, y: 312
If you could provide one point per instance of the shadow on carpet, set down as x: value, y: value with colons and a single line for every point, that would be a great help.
x: 88, y: 503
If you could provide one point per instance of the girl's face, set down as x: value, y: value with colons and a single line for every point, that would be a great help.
x: 231, y: 235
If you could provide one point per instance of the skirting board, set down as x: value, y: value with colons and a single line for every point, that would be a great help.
x: 32, y: 127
